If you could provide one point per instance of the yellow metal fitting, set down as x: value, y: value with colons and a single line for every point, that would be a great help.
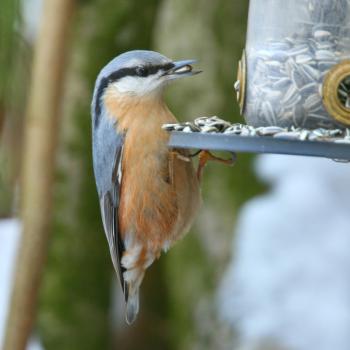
x: 336, y: 92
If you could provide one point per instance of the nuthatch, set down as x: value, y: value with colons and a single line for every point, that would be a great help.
x: 149, y: 194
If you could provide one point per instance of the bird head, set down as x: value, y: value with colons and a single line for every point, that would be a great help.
x: 142, y: 73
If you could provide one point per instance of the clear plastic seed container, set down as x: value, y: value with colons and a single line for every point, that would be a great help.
x: 297, y: 64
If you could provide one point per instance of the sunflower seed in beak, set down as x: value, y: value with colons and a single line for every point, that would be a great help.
x: 184, y: 69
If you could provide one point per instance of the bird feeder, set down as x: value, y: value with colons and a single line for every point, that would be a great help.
x: 295, y: 70
x: 293, y: 84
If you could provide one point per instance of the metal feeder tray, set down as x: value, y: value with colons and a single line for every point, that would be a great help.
x: 213, y: 133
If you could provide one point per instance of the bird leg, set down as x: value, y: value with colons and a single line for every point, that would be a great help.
x: 205, y: 156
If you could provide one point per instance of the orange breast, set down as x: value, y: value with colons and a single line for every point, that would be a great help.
x: 151, y: 209
x: 148, y: 205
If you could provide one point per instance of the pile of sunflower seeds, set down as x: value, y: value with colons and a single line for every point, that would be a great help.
x: 285, y: 76
x: 215, y: 125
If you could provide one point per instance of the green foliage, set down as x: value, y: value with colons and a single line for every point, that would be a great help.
x: 5, y: 190
x: 14, y: 62
x: 9, y: 16
x: 14, y: 58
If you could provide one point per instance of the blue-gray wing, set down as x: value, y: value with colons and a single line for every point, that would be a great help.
x: 107, y: 161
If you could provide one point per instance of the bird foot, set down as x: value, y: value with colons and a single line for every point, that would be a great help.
x: 205, y: 156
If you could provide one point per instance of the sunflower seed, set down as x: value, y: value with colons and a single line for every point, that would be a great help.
x: 269, y: 130
x: 287, y: 135
x: 303, y: 59
x: 312, y: 102
x: 322, y: 34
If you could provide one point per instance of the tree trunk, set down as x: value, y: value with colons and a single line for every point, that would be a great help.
x: 38, y: 166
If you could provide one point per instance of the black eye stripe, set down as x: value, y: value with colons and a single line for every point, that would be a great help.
x: 142, y: 71
x: 157, y: 68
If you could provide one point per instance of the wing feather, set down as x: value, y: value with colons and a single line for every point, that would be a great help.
x: 107, y: 159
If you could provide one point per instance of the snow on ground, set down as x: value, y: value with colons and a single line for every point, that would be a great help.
x: 290, y: 276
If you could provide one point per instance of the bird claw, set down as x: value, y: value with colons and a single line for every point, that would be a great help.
x: 205, y: 156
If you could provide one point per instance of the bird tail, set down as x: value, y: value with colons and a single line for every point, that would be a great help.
x: 133, y: 276
x: 132, y: 305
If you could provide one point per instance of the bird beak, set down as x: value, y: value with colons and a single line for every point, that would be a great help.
x: 181, y: 69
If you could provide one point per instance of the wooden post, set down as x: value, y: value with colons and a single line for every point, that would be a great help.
x: 38, y: 168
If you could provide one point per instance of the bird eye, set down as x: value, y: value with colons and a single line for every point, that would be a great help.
x: 142, y: 71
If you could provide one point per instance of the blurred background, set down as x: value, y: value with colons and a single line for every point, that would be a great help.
x: 211, y: 291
